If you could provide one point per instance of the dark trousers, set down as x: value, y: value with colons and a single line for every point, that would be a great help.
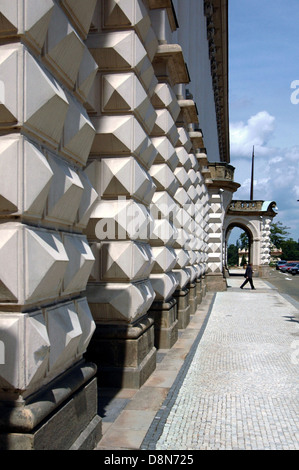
x: 249, y: 279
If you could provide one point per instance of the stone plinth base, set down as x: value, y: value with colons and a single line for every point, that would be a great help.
x: 182, y: 297
x: 125, y: 354
x: 262, y: 271
x: 164, y: 315
x: 192, y: 297
x: 215, y: 282
x: 62, y: 416
x: 199, y: 293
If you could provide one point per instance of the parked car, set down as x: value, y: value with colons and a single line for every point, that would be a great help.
x: 287, y: 267
x: 295, y: 269
x: 280, y: 263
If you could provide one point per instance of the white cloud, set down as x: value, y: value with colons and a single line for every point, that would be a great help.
x: 256, y: 132
x: 276, y: 170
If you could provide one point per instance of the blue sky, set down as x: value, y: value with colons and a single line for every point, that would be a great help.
x: 263, y: 67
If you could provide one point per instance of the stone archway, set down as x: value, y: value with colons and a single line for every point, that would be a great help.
x: 254, y: 217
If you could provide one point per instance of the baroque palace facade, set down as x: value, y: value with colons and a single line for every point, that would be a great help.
x: 114, y: 182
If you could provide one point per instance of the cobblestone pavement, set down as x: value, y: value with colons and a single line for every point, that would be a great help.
x: 240, y: 387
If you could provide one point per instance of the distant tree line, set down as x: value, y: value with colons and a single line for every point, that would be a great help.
x: 279, y: 238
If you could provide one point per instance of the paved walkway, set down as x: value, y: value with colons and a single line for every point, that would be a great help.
x: 230, y: 381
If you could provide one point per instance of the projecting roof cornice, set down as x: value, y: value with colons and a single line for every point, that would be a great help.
x: 216, y: 12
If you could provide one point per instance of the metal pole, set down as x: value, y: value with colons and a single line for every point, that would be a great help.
x: 252, y: 175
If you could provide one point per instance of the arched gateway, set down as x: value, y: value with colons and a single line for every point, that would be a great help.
x: 254, y: 217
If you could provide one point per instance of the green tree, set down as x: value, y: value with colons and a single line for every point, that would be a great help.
x: 278, y: 234
x: 290, y: 250
x: 244, y: 241
x: 232, y: 255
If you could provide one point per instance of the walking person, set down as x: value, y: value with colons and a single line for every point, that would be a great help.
x: 248, y: 276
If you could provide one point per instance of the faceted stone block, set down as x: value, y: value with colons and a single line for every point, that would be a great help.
x: 64, y: 48
x: 121, y: 50
x: 78, y: 132
x: 80, y: 263
x: 65, y: 332
x: 65, y: 192
x: 164, y: 97
x: 80, y: 13
x: 21, y: 192
x: 32, y: 264
x: 165, y: 259
x: 164, y: 178
x: 121, y: 261
x: 163, y: 233
x: 27, y: 348
x: 165, y: 152
x: 119, y: 220
x: 122, y: 135
x: 124, y: 93
x: 165, y: 125
x: 122, y: 177
x: 33, y: 24
x: 164, y: 285
x: 119, y: 302
x: 120, y: 14
x: 182, y: 276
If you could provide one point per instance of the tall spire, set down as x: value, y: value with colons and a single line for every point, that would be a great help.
x: 252, y: 176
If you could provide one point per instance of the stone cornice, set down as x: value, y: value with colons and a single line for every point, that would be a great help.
x: 216, y: 12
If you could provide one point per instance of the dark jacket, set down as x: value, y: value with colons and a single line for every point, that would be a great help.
x: 248, y: 272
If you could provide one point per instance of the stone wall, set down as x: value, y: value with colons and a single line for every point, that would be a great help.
x: 107, y: 223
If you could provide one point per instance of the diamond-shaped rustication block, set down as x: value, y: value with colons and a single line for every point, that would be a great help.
x: 65, y: 333
x: 80, y: 263
x: 124, y: 93
x: 45, y: 103
x: 184, y: 139
x: 184, y: 158
x: 166, y: 152
x: 164, y: 97
x: 21, y: 191
x: 165, y: 125
x: 33, y: 23
x: 63, y: 49
x: 122, y: 135
x: 122, y: 14
x: 65, y: 192
x: 86, y: 75
x: 164, y: 285
x: 182, y: 177
x: 121, y: 261
x: 163, y: 233
x: 122, y: 177
x: 182, y: 277
x: 164, y: 178
x: 87, y: 201
x: 78, y: 132
x: 81, y: 13
x: 26, y: 350
x: 120, y: 302
x: 163, y: 206
x: 165, y: 259
x: 119, y: 220
x: 32, y: 264
x: 116, y: 51
x: 86, y: 323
